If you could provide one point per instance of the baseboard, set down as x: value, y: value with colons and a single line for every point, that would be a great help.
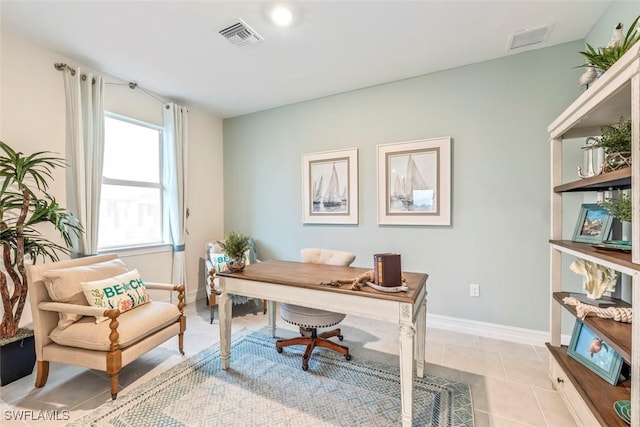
x: 192, y: 296
x: 491, y: 330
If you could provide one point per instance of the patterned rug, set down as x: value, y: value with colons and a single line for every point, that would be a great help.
x: 266, y: 388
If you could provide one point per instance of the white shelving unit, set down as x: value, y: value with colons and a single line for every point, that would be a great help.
x: 616, y: 93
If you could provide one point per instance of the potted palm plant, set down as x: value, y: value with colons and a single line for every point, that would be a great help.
x: 25, y: 206
x: 235, y: 245
x: 602, y: 58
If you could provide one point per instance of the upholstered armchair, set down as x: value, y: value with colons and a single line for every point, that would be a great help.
x: 121, y: 325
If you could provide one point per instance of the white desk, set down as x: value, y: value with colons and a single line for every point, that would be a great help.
x: 298, y: 283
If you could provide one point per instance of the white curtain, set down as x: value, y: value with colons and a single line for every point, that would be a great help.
x: 175, y: 176
x: 85, y: 150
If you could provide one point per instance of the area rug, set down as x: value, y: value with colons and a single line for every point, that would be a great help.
x: 266, y: 388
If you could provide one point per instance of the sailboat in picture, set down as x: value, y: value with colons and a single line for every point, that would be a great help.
x: 414, y: 190
x: 317, y: 192
x: 332, y: 197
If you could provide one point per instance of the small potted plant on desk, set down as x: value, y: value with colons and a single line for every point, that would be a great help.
x: 25, y: 204
x: 235, y: 245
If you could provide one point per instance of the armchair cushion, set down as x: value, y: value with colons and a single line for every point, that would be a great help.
x: 134, y: 326
x: 63, y: 285
x: 122, y: 292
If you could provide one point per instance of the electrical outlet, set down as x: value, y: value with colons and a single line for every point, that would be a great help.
x: 474, y: 290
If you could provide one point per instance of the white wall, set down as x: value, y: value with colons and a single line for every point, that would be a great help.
x: 497, y: 113
x: 32, y: 117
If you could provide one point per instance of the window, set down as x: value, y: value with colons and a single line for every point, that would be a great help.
x: 131, y: 203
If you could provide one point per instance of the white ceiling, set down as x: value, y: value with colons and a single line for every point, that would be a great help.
x: 173, y: 47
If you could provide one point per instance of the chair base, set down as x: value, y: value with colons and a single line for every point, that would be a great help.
x: 313, y: 341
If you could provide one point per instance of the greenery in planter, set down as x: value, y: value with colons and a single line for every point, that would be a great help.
x: 603, y: 58
x: 235, y: 244
x: 616, y: 138
x: 620, y: 208
x: 25, y: 205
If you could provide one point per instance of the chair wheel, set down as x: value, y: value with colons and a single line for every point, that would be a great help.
x: 347, y: 356
x: 340, y: 337
x: 304, y: 368
x: 279, y: 350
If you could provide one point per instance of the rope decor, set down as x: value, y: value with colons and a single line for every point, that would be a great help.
x: 355, y: 282
x: 619, y: 314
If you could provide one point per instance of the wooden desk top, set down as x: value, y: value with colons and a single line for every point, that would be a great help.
x: 308, y: 275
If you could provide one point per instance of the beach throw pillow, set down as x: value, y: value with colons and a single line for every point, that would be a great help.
x: 63, y: 285
x: 123, y: 292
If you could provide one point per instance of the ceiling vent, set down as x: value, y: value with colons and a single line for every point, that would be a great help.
x: 528, y: 37
x: 240, y: 34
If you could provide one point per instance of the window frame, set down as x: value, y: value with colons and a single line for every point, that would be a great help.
x: 151, y: 246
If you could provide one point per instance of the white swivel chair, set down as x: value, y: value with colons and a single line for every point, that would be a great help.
x: 310, y: 319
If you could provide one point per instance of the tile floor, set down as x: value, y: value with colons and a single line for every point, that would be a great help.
x: 509, y: 381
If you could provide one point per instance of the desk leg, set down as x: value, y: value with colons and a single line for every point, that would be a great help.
x: 224, y: 312
x: 421, y: 336
x: 272, y: 318
x: 407, y: 335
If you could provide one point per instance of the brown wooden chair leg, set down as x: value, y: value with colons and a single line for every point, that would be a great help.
x: 42, y: 373
x: 183, y: 327
x: 293, y: 341
x: 332, y: 346
x: 307, y: 353
x: 114, y: 386
x: 264, y: 306
x: 329, y: 334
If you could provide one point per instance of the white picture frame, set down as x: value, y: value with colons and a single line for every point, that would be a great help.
x: 330, y: 187
x: 414, y: 182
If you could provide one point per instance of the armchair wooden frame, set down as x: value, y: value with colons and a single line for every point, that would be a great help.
x: 45, y: 319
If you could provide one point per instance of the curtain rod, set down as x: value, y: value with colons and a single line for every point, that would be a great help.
x: 133, y: 86
x: 61, y: 66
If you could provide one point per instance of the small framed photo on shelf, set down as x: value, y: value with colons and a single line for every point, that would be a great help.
x: 591, y: 350
x: 594, y: 224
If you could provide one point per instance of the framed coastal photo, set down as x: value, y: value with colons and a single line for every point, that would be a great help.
x: 414, y: 182
x: 594, y: 224
x: 594, y: 353
x: 330, y: 187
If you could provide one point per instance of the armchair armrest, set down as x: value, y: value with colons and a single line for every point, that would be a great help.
x: 164, y: 286
x: 83, y: 310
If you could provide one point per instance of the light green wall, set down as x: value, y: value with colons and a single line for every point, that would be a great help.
x: 618, y: 11
x: 496, y: 112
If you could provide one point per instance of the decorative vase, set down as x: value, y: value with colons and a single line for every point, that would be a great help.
x: 236, y: 264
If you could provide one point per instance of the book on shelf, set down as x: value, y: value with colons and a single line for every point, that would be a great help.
x: 386, y: 270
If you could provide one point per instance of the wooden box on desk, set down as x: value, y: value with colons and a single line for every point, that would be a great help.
x: 386, y: 270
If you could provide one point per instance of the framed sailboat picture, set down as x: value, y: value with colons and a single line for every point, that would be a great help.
x: 330, y: 187
x: 414, y: 182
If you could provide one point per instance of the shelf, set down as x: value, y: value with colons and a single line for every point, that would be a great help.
x: 620, y: 179
x: 615, y: 94
x: 597, y: 394
x: 608, y: 98
x: 616, y: 334
x: 619, y: 260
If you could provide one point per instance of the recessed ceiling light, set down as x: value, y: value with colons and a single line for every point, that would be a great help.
x: 281, y: 16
